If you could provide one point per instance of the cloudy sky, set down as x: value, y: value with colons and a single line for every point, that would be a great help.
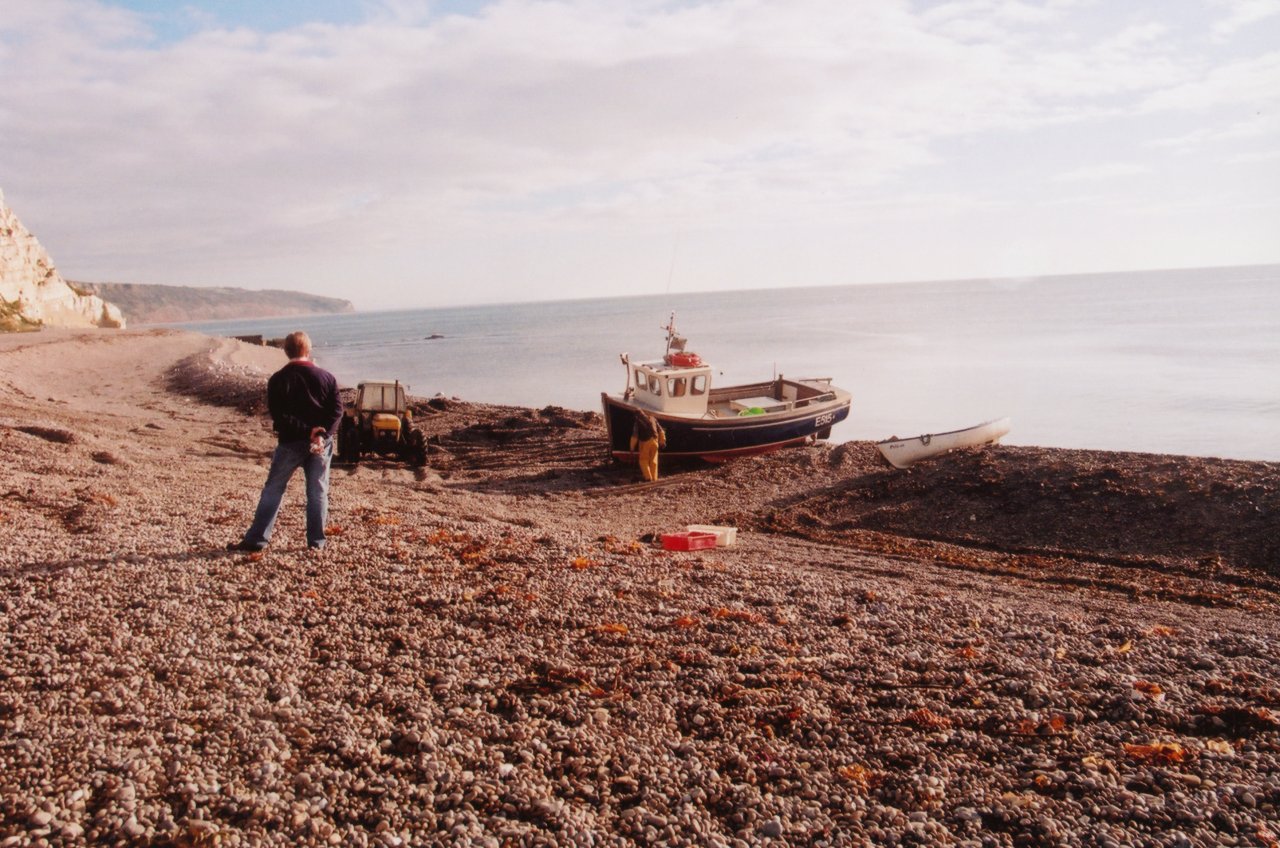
x: 406, y: 153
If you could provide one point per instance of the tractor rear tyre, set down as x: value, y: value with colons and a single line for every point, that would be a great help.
x: 415, y: 452
x: 348, y: 442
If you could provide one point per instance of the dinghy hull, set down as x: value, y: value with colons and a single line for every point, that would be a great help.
x: 903, y: 453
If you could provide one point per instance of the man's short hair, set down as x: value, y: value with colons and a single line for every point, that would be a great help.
x: 297, y: 345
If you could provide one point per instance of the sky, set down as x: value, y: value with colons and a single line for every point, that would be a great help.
x: 404, y: 154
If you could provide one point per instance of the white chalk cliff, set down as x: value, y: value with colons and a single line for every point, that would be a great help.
x: 33, y: 293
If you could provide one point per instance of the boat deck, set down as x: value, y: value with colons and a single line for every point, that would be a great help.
x: 771, y: 397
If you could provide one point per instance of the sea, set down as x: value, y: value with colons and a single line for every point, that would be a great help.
x: 1175, y: 361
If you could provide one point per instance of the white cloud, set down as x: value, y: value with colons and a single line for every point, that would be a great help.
x: 1256, y: 157
x: 1257, y: 127
x: 1104, y: 172
x: 1253, y: 81
x: 1241, y: 14
x: 396, y: 144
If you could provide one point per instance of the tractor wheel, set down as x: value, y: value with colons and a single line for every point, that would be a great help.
x: 415, y: 452
x: 348, y: 442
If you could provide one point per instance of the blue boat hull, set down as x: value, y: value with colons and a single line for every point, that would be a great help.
x: 720, y: 439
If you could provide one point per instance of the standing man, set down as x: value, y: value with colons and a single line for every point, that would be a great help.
x: 648, y: 435
x: 305, y: 411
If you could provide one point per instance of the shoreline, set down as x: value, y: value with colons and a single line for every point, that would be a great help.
x: 1017, y: 644
x: 1171, y: 394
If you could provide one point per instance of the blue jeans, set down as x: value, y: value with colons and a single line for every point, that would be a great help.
x: 286, y: 459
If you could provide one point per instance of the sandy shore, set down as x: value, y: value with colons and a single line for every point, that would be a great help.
x: 1014, y: 646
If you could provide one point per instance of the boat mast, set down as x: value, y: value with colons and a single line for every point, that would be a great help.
x: 626, y: 364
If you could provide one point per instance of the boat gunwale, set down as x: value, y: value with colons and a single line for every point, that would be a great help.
x: 812, y: 406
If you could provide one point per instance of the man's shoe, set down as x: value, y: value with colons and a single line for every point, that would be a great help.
x: 244, y: 546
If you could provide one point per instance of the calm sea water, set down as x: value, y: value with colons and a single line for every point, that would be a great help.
x: 1170, y: 362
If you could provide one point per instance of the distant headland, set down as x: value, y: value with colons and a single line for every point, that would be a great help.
x: 34, y: 295
x: 160, y: 304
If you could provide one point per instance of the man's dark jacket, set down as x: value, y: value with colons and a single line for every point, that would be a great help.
x: 646, y: 427
x: 301, y: 396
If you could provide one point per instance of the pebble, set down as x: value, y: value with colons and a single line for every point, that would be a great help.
x: 442, y: 674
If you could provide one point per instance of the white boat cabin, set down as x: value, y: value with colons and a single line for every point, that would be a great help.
x: 685, y: 390
x: 671, y: 389
x: 679, y: 384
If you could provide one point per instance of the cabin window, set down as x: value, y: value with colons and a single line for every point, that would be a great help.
x: 677, y: 386
x: 640, y: 381
x: 381, y: 398
x: 698, y: 385
x: 655, y: 385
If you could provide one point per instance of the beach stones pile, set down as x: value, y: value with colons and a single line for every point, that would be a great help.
x: 473, y: 661
x: 433, y: 678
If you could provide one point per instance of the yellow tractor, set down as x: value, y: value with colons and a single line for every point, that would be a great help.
x: 380, y: 422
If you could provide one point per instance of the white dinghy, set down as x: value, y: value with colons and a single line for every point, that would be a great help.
x: 902, y: 453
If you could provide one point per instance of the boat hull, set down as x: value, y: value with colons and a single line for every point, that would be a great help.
x: 903, y: 453
x: 720, y: 439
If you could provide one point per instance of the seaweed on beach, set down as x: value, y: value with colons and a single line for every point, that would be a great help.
x: 1211, y: 517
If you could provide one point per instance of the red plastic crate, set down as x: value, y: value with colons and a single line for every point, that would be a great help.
x: 690, y: 541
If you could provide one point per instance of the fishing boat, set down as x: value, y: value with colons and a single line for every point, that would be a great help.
x: 718, y: 423
x: 902, y: 453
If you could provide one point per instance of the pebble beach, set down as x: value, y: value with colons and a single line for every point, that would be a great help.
x: 1000, y: 647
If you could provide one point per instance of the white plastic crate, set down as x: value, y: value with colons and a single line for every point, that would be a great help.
x: 725, y: 536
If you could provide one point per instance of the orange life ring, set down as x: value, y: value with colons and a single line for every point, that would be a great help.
x: 686, y: 360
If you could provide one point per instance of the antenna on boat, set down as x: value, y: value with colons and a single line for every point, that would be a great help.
x: 671, y: 271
